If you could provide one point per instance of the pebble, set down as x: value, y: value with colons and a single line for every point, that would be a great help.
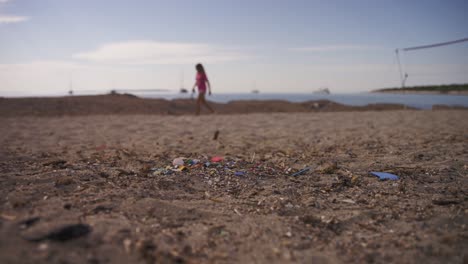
x: 127, y: 244
x: 43, y: 247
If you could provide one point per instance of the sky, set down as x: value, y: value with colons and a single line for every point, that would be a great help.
x: 295, y: 46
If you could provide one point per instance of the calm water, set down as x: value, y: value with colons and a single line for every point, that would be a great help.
x: 423, y: 101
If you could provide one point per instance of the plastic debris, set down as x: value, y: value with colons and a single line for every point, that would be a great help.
x: 301, y: 171
x: 192, y: 162
x: 158, y: 172
x: 239, y: 173
x: 216, y: 134
x: 178, y: 162
x: 217, y: 159
x: 182, y: 168
x: 207, y: 164
x: 161, y: 171
x: 385, y: 176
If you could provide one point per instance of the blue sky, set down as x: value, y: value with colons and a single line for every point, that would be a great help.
x: 274, y: 46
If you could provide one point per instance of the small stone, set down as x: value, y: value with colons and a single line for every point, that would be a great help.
x: 43, y: 247
x: 63, y: 181
x: 127, y: 244
x: 276, y: 250
x: 348, y: 201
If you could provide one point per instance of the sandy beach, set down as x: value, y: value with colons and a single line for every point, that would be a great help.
x: 127, y: 104
x: 110, y: 176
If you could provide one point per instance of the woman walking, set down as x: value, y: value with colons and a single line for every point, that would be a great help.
x: 202, y: 83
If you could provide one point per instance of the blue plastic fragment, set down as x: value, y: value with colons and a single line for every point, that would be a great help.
x: 301, y: 171
x: 239, y: 173
x: 385, y: 176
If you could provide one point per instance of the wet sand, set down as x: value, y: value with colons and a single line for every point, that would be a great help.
x: 108, y: 172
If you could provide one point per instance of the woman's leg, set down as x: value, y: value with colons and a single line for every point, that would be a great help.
x: 206, y: 104
x: 200, y: 98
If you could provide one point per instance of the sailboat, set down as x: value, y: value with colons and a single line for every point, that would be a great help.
x: 182, y: 89
x: 324, y: 90
x: 254, y: 89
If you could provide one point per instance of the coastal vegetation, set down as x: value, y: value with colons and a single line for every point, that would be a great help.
x: 449, y: 88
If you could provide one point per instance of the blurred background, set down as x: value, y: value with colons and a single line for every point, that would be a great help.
x: 50, y: 47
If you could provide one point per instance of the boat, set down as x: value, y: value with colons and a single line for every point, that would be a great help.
x: 322, y: 91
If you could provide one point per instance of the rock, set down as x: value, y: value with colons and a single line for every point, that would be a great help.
x: 63, y: 181
x: 445, y: 201
x: 63, y: 233
x: 102, y: 208
x: 59, y: 163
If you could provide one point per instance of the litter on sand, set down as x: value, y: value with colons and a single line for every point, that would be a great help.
x: 193, y: 162
x: 301, y: 172
x: 239, y: 173
x: 217, y: 159
x: 385, y: 176
x: 182, y: 168
x: 178, y: 162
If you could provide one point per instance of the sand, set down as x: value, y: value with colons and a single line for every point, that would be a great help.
x: 125, y: 104
x: 96, y: 170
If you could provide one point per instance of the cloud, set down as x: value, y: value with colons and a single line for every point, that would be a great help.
x: 333, y: 48
x: 153, y: 52
x: 8, y: 19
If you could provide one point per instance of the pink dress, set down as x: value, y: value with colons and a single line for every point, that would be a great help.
x: 201, y: 82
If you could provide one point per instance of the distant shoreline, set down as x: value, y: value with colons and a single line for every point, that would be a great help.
x: 422, y: 92
x: 449, y: 89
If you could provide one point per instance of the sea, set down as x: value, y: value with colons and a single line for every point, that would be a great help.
x: 420, y: 101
